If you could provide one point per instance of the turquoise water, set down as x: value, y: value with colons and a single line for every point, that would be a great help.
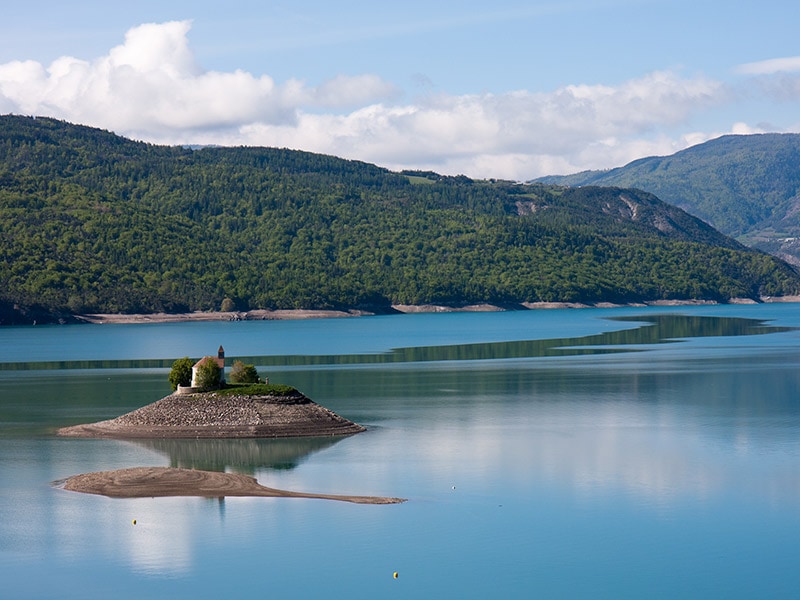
x: 621, y: 453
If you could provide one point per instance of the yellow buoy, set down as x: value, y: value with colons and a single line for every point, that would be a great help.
x: 395, y: 575
x: 134, y: 521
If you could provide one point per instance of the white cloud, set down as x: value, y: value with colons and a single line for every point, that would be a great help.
x: 157, y: 47
x: 768, y: 67
x: 777, y: 79
x: 151, y: 88
x: 740, y: 128
x: 512, y: 135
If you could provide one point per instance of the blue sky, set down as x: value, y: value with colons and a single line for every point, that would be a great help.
x: 507, y: 89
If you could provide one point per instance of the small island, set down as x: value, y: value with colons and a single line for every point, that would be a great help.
x: 203, y: 405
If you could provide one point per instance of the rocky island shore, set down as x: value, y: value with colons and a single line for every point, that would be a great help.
x: 221, y: 415
x: 214, y: 414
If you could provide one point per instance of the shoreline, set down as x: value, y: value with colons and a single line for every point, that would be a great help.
x: 300, y: 314
x: 209, y: 415
x: 159, y: 482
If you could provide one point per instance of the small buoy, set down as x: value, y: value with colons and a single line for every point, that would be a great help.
x: 454, y: 487
x: 395, y: 575
x: 134, y: 521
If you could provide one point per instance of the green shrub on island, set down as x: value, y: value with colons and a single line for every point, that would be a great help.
x: 181, y: 373
x: 242, y: 373
x: 258, y: 389
x: 209, y: 375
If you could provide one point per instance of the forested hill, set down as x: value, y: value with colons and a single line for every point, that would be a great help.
x: 747, y: 186
x: 91, y: 222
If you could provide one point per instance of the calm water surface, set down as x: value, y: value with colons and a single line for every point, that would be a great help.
x: 621, y: 453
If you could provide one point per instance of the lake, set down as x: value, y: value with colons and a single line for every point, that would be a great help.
x: 593, y: 453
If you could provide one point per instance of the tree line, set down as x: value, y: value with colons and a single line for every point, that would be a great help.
x: 91, y: 222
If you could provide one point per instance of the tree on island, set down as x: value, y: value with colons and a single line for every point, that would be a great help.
x: 242, y: 373
x: 209, y: 375
x: 181, y: 373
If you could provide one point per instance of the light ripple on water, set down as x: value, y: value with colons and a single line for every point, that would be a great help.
x: 575, y: 476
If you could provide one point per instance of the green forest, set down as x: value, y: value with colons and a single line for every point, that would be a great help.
x: 747, y: 186
x: 91, y: 222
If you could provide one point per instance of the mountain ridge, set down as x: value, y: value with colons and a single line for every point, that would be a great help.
x: 93, y: 223
x: 746, y: 186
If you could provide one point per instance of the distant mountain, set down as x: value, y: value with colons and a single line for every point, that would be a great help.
x: 92, y: 222
x: 747, y: 186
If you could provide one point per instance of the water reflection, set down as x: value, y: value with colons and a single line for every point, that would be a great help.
x: 240, y: 456
x: 655, y: 329
x: 676, y: 326
x: 579, y: 477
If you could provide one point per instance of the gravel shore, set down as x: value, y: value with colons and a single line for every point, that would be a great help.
x: 214, y: 415
x: 266, y: 315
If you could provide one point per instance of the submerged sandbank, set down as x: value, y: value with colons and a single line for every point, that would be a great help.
x: 151, y: 482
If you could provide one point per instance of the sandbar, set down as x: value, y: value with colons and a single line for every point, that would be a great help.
x: 152, y: 482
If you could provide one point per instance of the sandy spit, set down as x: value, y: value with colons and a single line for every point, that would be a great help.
x: 151, y: 482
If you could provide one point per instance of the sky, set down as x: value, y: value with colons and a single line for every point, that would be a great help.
x: 508, y: 89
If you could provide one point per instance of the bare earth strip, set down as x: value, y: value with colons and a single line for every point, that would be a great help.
x: 151, y: 482
x: 252, y: 315
x: 260, y: 315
